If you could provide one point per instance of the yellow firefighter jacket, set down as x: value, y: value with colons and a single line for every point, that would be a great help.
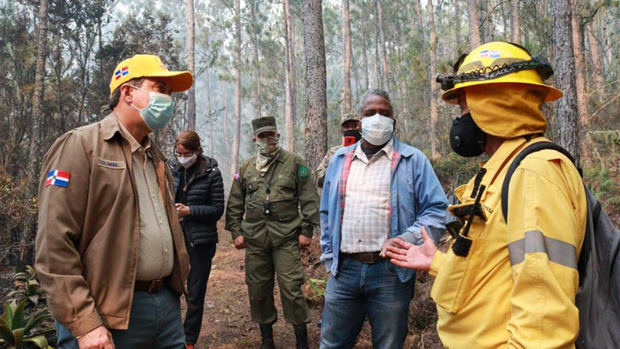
x: 516, y: 287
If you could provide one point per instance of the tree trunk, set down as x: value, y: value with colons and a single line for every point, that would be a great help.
x: 457, y: 24
x: 346, y: 71
x: 566, y: 127
x: 433, y: 90
x: 489, y: 28
x: 418, y: 16
x: 580, y: 85
x: 316, y: 83
x: 377, y: 63
x: 29, y: 228
x: 423, y: 49
x: 210, y: 115
x: 227, y: 143
x: 226, y: 129
x: 516, y: 32
x: 257, y: 70
x: 39, y: 89
x: 355, y: 65
x: 597, y: 64
x: 289, y: 107
x: 191, y: 65
x: 365, y: 68
x: 237, y: 117
x: 384, y: 63
x: 474, y: 30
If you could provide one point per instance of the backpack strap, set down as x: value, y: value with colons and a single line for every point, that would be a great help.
x: 534, y: 147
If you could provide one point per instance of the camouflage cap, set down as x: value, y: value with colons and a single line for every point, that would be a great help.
x: 349, y: 117
x: 264, y: 124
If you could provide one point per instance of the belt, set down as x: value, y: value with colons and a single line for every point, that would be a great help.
x: 365, y: 257
x: 152, y: 286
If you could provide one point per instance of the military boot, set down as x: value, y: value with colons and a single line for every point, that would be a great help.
x: 266, y: 331
x: 301, y: 334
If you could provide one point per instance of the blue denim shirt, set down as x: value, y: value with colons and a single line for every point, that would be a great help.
x: 416, y: 200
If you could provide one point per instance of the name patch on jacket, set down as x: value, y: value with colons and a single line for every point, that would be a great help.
x: 110, y: 163
x: 57, y: 178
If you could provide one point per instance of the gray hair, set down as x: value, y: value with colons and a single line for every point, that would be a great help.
x: 375, y: 92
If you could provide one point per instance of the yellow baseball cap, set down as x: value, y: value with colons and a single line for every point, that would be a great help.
x: 149, y: 66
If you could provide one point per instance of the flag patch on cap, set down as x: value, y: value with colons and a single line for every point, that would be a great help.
x: 490, y: 53
x: 57, y: 178
x: 121, y: 72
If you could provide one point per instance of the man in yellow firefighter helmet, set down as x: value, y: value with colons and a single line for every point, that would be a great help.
x: 506, y: 284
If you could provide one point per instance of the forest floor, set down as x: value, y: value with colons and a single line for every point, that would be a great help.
x: 226, y: 320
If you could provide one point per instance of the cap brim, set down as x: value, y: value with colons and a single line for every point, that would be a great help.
x: 178, y: 80
x: 451, y: 95
x: 265, y: 129
x: 349, y: 119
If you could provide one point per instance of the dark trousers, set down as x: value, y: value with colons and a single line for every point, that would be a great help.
x: 154, y: 323
x: 200, y: 257
x: 263, y: 263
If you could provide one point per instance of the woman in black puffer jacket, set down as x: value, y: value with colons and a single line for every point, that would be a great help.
x: 200, y: 203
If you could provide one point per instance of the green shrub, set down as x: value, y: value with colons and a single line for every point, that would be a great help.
x: 27, y: 287
x: 17, y: 328
x: 26, y: 321
x: 453, y: 170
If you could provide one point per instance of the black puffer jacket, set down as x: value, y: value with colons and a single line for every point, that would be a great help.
x: 203, y: 191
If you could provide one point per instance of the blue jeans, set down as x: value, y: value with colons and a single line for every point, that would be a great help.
x: 154, y: 322
x: 360, y: 290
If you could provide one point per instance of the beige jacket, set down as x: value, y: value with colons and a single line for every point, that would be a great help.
x: 88, y: 232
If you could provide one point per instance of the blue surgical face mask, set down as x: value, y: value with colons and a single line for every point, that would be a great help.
x: 158, y: 112
x: 377, y: 129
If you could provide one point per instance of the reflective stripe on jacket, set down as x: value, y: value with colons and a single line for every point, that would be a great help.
x: 516, y: 287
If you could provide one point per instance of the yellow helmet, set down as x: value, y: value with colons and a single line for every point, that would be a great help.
x: 495, y: 63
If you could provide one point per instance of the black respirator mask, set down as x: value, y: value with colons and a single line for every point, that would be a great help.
x: 466, y: 138
x: 351, y: 137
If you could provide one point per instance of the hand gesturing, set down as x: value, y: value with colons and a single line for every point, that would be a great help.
x: 407, y: 255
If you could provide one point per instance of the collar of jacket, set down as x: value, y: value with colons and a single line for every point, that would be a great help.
x: 402, y: 149
x: 110, y: 129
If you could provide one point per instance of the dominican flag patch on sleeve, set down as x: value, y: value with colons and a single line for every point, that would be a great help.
x: 57, y: 178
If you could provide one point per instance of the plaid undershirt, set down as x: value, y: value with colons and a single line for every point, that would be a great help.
x: 366, y: 219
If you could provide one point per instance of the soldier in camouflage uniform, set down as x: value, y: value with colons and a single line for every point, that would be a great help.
x: 350, y: 129
x: 275, y: 191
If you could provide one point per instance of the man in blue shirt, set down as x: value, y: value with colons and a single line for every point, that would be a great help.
x: 374, y: 190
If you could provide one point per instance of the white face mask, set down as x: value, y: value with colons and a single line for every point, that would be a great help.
x: 377, y: 129
x: 187, y: 161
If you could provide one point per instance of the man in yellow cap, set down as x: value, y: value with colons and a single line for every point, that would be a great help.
x: 110, y: 252
x: 506, y: 284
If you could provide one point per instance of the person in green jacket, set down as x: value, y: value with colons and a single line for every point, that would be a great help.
x: 272, y: 210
